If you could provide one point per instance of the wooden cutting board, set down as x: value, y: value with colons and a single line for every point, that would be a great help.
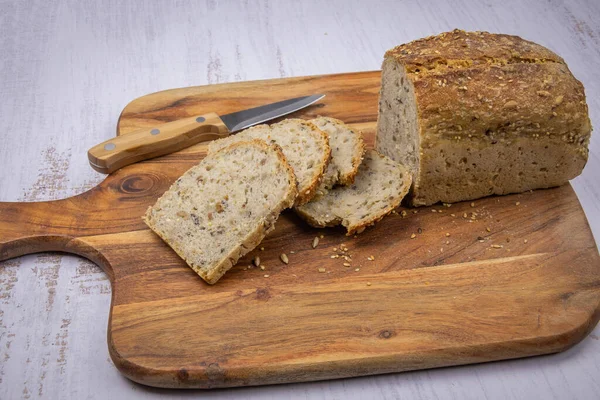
x: 518, y: 278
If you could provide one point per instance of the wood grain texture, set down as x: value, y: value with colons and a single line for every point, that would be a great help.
x: 500, y: 278
x: 70, y: 67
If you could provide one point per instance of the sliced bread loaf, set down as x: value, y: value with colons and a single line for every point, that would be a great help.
x: 304, y: 145
x: 347, y: 148
x: 222, y: 208
x: 378, y: 188
x: 472, y: 114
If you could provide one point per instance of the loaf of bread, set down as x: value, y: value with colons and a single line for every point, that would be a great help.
x: 473, y: 114
x: 347, y: 148
x: 378, y: 188
x: 305, y: 147
x: 222, y: 208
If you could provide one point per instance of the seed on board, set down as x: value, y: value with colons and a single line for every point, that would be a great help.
x: 496, y: 246
x: 403, y: 213
x: 524, y: 240
x: 488, y: 229
x: 262, y: 249
x: 517, y: 203
x: 413, y: 236
x: 266, y: 275
x: 419, y: 231
x: 453, y: 215
x: 464, y: 215
x: 335, y: 249
x: 473, y: 204
x: 447, y: 242
x: 368, y: 283
x: 284, y: 258
x: 357, y: 269
x: 321, y: 236
x: 315, y: 242
x: 447, y: 234
x: 262, y: 267
x: 347, y: 264
x: 433, y: 210
x: 321, y: 269
x: 256, y: 261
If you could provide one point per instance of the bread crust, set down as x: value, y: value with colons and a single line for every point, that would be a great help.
x: 494, y: 95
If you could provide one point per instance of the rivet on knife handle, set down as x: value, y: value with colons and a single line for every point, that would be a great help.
x: 156, y: 141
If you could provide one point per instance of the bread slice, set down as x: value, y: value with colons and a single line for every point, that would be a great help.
x: 347, y: 148
x: 378, y: 188
x: 304, y: 145
x: 222, y: 208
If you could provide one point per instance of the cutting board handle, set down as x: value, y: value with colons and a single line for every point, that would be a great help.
x: 35, y: 227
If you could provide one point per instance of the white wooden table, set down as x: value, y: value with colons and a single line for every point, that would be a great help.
x: 69, y: 67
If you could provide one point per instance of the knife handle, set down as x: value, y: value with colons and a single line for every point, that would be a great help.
x: 146, y: 143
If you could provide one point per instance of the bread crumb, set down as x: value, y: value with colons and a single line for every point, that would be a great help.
x: 284, y: 258
x: 473, y: 204
x: 321, y: 269
x: 262, y: 267
x: 415, y: 211
x: 335, y: 249
x: 368, y: 283
x: 464, y: 215
x: 403, y: 213
x: 262, y: 249
x: 447, y: 242
x: 413, y: 236
x: 524, y: 240
x: 447, y: 234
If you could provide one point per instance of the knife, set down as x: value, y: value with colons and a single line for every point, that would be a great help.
x: 146, y: 143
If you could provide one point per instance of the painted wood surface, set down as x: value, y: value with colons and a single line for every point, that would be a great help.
x: 69, y: 69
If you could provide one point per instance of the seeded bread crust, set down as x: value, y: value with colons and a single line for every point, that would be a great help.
x: 347, y: 149
x: 473, y: 114
x: 304, y: 145
x: 378, y: 188
x: 194, y: 237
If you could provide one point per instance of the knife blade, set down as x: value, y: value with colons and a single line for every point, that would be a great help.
x: 146, y: 143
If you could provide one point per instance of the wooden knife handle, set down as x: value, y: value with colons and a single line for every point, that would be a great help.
x: 147, y: 143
